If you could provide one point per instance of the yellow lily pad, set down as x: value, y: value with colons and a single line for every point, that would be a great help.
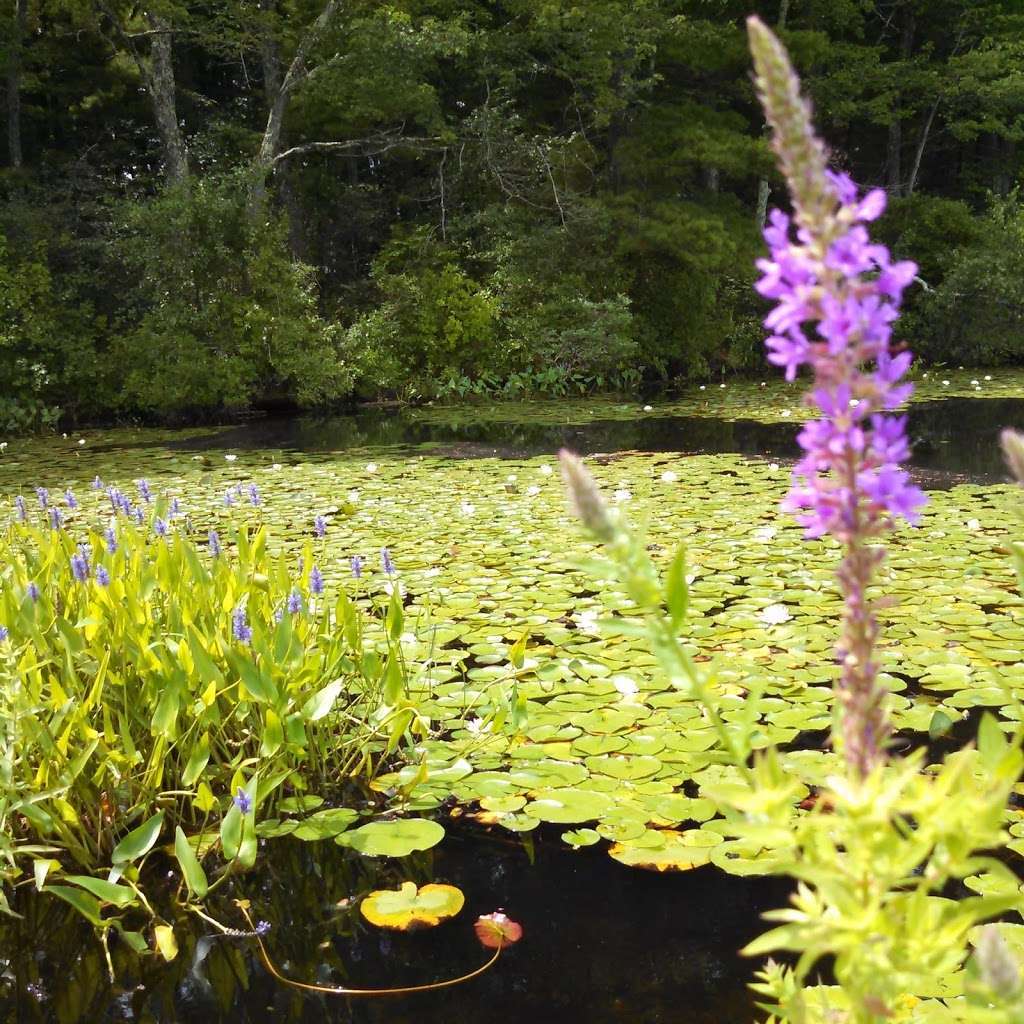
x: 410, y: 908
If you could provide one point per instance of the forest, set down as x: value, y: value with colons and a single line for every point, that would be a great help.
x: 211, y: 206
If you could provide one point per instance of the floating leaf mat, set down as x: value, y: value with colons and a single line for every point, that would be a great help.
x: 608, y: 751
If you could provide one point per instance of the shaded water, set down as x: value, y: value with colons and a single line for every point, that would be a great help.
x: 953, y: 440
x: 603, y: 943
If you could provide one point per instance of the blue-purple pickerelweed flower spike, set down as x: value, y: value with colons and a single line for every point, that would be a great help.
x: 97, y: 483
x: 19, y: 509
x: 138, y: 515
x: 33, y: 591
x: 144, y: 492
x: 56, y: 518
x: 294, y: 602
x: 70, y: 499
x: 240, y: 628
x: 175, y: 509
x: 102, y: 576
x: 836, y: 297
x: 80, y: 566
x: 160, y: 527
x: 357, y: 567
x: 386, y: 564
x: 316, y: 581
x: 4, y: 633
x: 213, y: 542
x: 243, y: 801
x: 254, y: 495
x: 320, y: 527
x: 44, y: 496
x: 110, y: 536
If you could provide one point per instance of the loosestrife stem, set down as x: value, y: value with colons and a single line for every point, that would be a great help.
x: 834, y: 279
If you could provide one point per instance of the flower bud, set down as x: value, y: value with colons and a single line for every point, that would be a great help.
x: 585, y: 497
x: 1013, y: 452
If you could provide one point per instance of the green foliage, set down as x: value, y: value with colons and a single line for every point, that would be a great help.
x: 976, y: 313
x: 135, y: 709
x: 224, y: 314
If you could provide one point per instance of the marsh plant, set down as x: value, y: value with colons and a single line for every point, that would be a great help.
x: 888, y: 841
x: 165, y: 687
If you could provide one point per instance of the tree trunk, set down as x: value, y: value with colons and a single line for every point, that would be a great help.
x: 160, y: 85
x: 894, y: 145
x: 919, y: 151
x: 14, y: 155
x: 271, y: 141
x: 763, y: 187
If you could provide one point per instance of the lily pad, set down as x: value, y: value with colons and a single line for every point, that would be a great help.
x: 396, y: 838
x: 410, y: 908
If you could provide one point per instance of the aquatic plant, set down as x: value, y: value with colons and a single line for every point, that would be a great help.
x: 875, y: 852
x: 147, y: 690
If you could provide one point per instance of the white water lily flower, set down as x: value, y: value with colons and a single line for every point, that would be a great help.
x: 976, y: 383
x: 945, y: 383
x: 973, y: 524
x: 545, y: 470
x: 230, y: 457
x: 764, y: 533
x: 277, y: 467
x: 787, y: 412
x: 774, y: 614
x: 622, y: 494
x: 371, y: 467
x: 587, y: 621
x: 988, y: 376
x: 625, y: 686
x: 703, y: 388
x: 467, y: 508
x: 533, y: 490
x: 648, y: 408
x: 353, y: 495
x: 511, y: 478
x: 669, y: 477
x: 478, y: 727
x: 721, y: 385
x: 81, y: 440
x: 773, y: 467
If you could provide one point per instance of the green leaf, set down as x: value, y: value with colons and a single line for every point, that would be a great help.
x: 231, y: 833
x: 939, y: 725
x: 677, y: 590
x: 393, y: 681
x: 992, y: 742
x: 197, y: 761
x: 191, y: 869
x: 108, y: 892
x: 85, y: 903
x: 139, y: 841
x: 321, y: 703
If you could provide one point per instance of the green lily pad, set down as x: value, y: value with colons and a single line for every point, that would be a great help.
x: 396, y: 838
x: 409, y: 908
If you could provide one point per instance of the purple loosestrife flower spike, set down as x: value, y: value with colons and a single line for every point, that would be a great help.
x: 294, y: 602
x: 213, y: 541
x: 102, y: 576
x: 240, y: 628
x: 144, y: 492
x: 110, y: 536
x: 243, y: 801
x: 320, y: 526
x: 357, y: 567
x: 80, y: 566
x: 836, y: 296
x: 56, y: 518
x: 19, y: 508
x: 254, y: 495
x: 33, y: 592
x: 386, y: 564
x: 72, y: 501
x: 316, y: 581
x: 44, y: 497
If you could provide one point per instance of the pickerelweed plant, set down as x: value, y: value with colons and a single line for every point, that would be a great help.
x: 888, y: 843
x: 168, y: 688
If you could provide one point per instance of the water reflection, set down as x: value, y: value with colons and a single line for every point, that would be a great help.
x: 955, y: 438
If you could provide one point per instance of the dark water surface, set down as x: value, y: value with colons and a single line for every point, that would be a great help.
x: 955, y: 439
x: 603, y: 943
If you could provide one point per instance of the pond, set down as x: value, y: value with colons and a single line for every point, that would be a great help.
x: 607, y: 773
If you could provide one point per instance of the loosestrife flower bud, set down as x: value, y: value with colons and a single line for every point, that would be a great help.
x: 585, y: 497
x: 1013, y: 452
x: 836, y: 296
x: 998, y: 965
